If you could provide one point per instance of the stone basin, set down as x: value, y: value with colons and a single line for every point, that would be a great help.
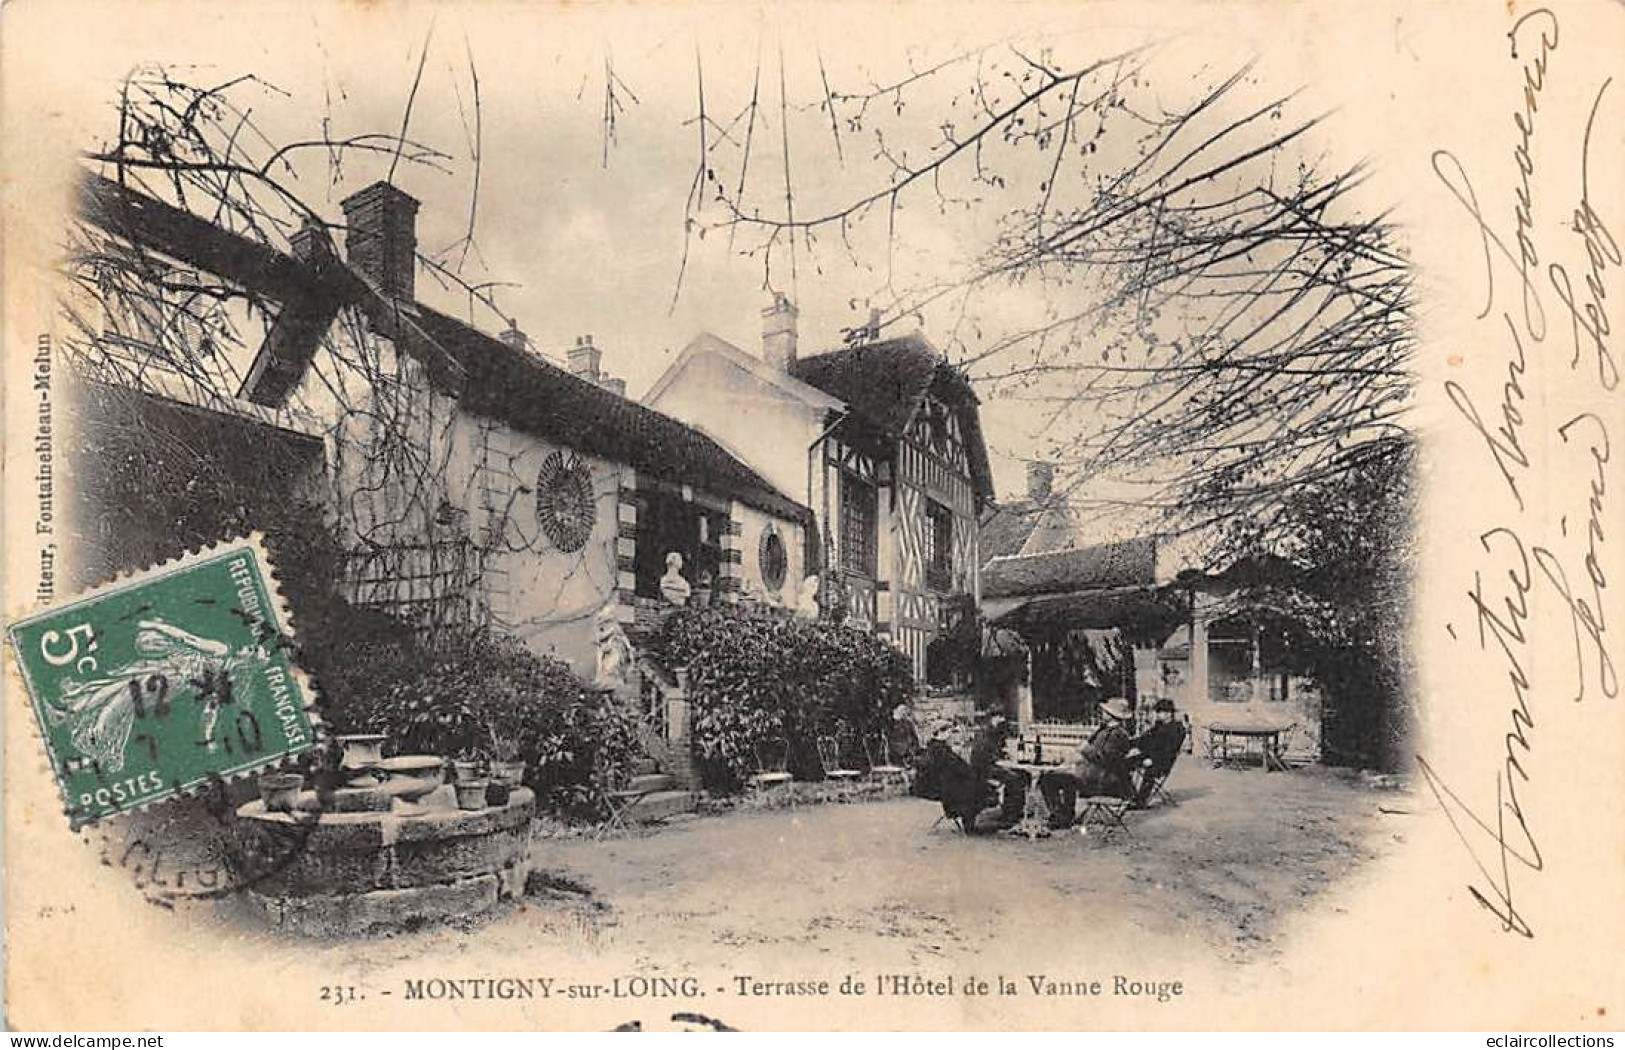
x: 357, y: 872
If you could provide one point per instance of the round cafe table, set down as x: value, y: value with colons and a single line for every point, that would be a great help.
x: 1034, y: 821
x: 1221, y: 734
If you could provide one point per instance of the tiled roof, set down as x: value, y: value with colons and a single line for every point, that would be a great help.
x: 1134, y: 609
x: 1005, y: 531
x: 530, y: 394
x: 1062, y: 526
x: 882, y: 383
x: 495, y: 379
x: 1131, y: 563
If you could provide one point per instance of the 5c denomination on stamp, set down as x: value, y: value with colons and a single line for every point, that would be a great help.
x: 166, y: 680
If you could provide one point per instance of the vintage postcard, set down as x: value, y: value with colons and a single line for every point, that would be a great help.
x: 904, y: 516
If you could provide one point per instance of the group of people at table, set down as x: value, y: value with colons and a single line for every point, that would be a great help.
x: 1111, y: 762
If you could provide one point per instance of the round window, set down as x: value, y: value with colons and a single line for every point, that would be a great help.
x: 774, y: 560
x: 564, y: 503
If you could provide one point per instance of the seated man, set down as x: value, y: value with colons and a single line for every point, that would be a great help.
x: 985, y: 752
x: 945, y: 777
x: 1154, y: 750
x: 1101, y: 767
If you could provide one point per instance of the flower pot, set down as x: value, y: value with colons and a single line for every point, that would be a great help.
x: 511, y: 774
x: 465, y: 769
x: 471, y: 793
x: 280, y: 791
x: 497, y: 793
x: 681, y: 674
x: 362, y: 750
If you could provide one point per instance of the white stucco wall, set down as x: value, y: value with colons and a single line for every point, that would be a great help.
x: 484, y: 470
x: 545, y: 596
x: 763, y: 426
x: 754, y: 524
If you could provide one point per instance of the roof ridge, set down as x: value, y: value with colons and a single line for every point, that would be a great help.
x: 745, y: 476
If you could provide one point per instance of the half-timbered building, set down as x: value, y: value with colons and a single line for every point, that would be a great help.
x: 884, y: 440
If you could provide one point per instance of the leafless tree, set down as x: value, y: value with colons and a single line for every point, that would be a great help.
x: 193, y: 167
x: 1220, y: 327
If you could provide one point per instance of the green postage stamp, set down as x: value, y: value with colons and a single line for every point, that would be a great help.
x: 165, y: 680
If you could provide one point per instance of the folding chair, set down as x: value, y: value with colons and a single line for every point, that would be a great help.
x: 829, y: 756
x: 1275, y: 757
x: 619, y: 801
x: 1154, y: 787
x: 772, y: 763
x: 1106, y: 812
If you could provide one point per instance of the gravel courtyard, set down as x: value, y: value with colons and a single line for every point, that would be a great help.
x: 633, y: 925
x: 874, y: 884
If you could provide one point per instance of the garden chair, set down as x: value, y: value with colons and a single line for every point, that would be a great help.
x: 884, y: 769
x: 619, y: 801
x: 772, y: 763
x: 1275, y: 757
x: 1105, y: 812
x: 1153, y: 788
x: 829, y: 756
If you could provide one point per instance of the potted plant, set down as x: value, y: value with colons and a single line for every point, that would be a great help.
x: 466, y: 765
x: 471, y: 793
x: 702, y: 591
x: 507, y: 768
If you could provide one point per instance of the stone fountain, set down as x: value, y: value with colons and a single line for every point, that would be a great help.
x: 386, y: 848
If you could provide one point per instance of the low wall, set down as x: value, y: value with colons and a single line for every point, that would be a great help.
x: 356, y: 873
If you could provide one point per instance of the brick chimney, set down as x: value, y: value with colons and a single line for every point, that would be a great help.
x: 615, y: 385
x: 779, y: 332
x: 381, y: 241
x: 584, y: 359
x: 1040, y: 480
x: 310, y: 243
x: 512, y: 337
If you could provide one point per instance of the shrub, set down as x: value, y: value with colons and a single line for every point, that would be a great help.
x: 755, y: 676
x: 479, y: 694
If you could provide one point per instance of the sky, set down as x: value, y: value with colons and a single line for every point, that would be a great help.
x: 593, y: 231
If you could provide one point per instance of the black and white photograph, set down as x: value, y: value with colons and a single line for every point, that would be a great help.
x: 851, y: 517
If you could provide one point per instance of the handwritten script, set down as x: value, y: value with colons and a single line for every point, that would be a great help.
x: 1553, y: 548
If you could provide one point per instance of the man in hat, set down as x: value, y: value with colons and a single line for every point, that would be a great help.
x: 985, y: 752
x: 1101, y: 767
x: 1153, y: 751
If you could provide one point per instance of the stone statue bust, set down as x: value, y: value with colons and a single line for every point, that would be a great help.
x: 673, y: 587
x: 807, y: 603
x: 614, y: 650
